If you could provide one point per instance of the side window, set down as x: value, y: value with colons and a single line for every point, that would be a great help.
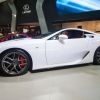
x: 75, y: 34
x: 88, y: 35
x: 56, y: 37
x: 65, y: 33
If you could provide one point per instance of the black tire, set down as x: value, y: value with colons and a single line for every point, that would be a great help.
x: 97, y: 57
x: 14, y: 62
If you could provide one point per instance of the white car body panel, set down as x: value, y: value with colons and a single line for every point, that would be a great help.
x: 66, y: 52
x: 53, y: 53
x: 36, y: 49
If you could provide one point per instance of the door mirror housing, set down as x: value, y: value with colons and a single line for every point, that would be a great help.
x: 63, y: 37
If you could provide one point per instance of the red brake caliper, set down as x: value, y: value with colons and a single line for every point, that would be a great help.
x: 22, y: 64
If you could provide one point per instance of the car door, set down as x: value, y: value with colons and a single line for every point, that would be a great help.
x: 67, y: 52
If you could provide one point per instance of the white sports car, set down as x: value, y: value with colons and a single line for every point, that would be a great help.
x: 62, y: 48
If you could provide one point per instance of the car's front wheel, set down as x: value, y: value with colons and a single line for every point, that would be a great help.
x: 97, y: 57
x: 14, y: 62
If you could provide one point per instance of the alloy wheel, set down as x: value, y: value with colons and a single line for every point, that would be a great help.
x: 14, y: 63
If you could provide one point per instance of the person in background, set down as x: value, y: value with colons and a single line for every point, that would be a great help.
x: 1, y: 35
x: 32, y: 32
x: 25, y: 30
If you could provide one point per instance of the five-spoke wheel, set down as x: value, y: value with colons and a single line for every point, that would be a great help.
x: 15, y: 62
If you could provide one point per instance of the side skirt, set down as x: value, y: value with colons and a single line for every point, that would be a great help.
x: 59, y: 68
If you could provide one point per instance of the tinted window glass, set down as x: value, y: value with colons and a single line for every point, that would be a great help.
x: 75, y: 34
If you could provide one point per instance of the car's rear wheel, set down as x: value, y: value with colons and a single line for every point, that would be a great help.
x: 15, y: 62
x: 97, y: 57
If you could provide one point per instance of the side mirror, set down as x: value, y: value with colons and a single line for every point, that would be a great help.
x: 63, y: 37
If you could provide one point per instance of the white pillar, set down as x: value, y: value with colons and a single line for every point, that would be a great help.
x: 2, y: 1
x: 41, y: 17
x: 14, y: 14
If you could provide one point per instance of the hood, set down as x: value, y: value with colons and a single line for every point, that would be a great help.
x: 19, y: 42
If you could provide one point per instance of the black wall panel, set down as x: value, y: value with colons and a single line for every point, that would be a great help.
x: 26, y: 11
x: 5, y: 14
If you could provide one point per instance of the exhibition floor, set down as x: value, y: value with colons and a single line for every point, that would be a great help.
x: 80, y: 83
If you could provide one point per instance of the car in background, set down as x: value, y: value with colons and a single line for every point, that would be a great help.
x: 65, y: 47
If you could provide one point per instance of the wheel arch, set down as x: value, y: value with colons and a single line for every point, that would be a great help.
x: 30, y: 68
x: 95, y: 52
